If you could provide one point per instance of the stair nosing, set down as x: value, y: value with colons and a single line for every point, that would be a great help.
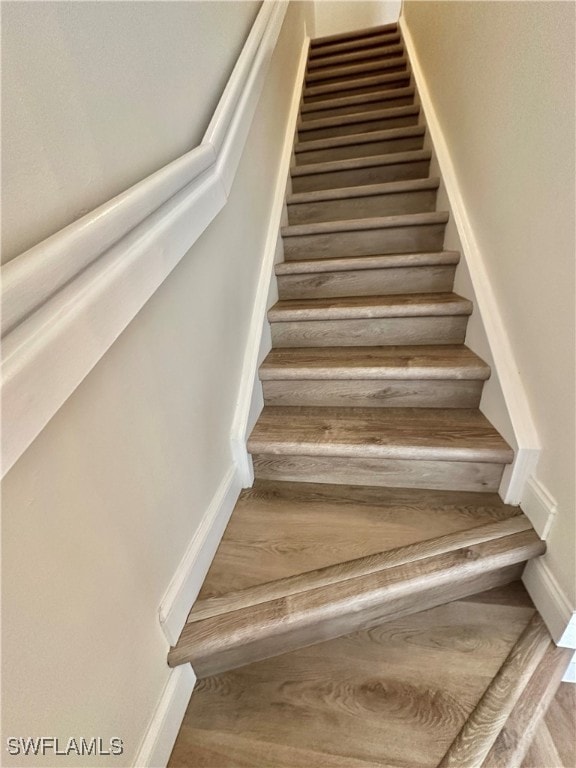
x: 356, y: 567
x: 392, y: 37
x: 350, y: 70
x: 352, y: 371
x: 359, y: 82
x: 362, y: 225
x: 316, y: 63
x: 359, y: 98
x: 354, y: 163
x: 366, y: 137
x: 373, y: 115
x: 364, y: 190
x: 400, y: 305
x: 360, y: 263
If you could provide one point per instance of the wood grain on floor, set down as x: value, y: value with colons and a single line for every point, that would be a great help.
x: 395, y: 695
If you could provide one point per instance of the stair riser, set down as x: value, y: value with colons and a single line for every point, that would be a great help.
x: 342, y: 75
x: 387, y: 473
x: 421, y: 201
x: 367, y: 242
x: 365, y: 149
x: 355, y: 177
x: 367, y: 282
x: 319, y: 52
x: 391, y: 81
x: 383, y: 124
x: 362, y: 56
x: 352, y: 109
x: 364, y: 618
x: 372, y: 393
x: 385, y: 331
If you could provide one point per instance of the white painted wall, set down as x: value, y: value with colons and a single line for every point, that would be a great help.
x: 96, y: 96
x: 335, y: 16
x: 99, y: 511
x: 502, y: 78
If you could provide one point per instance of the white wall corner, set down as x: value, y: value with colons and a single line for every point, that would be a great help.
x: 160, y: 736
x: 485, y: 301
x: 249, y: 402
x: 191, y: 572
x: 551, y: 602
x: 539, y: 506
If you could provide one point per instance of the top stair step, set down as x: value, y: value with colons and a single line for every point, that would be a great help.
x: 366, y: 33
x: 386, y: 38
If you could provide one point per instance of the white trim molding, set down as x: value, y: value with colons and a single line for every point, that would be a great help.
x: 241, y: 422
x: 539, y: 507
x: 67, y: 299
x: 191, y: 572
x: 551, y: 601
x: 158, y: 741
x: 513, y: 389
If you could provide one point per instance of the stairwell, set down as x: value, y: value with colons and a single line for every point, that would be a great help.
x: 375, y: 495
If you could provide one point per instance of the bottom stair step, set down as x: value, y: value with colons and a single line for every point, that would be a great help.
x: 394, y: 695
x: 274, y: 616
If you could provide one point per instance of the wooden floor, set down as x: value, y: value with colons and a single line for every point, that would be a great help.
x: 554, y: 745
x: 396, y: 695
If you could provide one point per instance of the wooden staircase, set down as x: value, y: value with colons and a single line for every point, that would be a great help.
x: 376, y: 472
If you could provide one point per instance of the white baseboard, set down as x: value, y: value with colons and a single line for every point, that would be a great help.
x: 539, y: 506
x: 486, y: 303
x: 163, y: 728
x: 551, y: 601
x: 570, y: 674
x: 251, y: 355
x: 190, y: 574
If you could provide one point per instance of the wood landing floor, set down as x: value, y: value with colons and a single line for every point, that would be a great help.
x: 554, y: 745
x: 396, y: 695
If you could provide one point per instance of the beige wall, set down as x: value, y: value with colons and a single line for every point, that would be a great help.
x: 502, y: 77
x: 100, y: 509
x: 98, y: 95
x: 335, y: 16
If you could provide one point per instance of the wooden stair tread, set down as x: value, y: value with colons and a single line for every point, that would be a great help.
x: 358, y: 34
x: 368, y: 81
x: 432, y: 362
x: 312, y: 145
x: 434, y: 434
x: 375, y: 222
x: 331, y: 166
x: 373, y: 115
x: 362, y: 98
x: 308, y: 528
x: 381, y: 558
x: 384, y: 261
x: 220, y: 642
x: 378, y: 52
x: 350, y: 70
x: 409, y: 305
x: 366, y: 190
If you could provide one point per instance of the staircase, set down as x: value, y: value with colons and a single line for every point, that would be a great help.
x: 376, y: 473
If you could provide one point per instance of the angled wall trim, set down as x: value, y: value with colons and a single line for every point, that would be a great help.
x: 513, y: 389
x: 67, y: 299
